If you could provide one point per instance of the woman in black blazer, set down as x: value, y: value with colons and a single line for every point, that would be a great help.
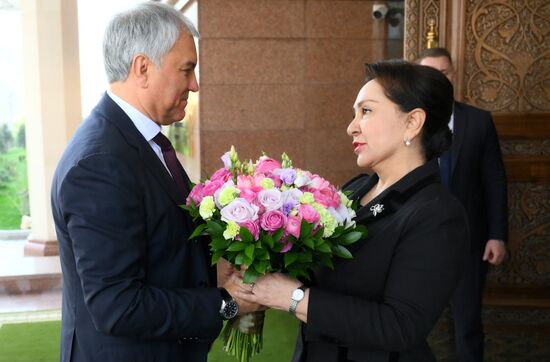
x: 382, y: 304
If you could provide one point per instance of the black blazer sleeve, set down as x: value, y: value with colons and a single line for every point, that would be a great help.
x: 101, y: 201
x: 425, y: 267
x: 494, y: 183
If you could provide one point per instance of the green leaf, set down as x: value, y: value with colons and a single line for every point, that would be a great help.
x: 309, y: 243
x: 350, y: 238
x: 326, y: 260
x: 239, y: 259
x: 277, y: 234
x: 218, y: 244
x: 237, y: 246
x: 214, y: 228
x: 250, y: 275
x: 249, y: 251
x: 217, y: 255
x: 263, y: 256
x: 246, y: 235
x: 278, y: 247
x: 305, y: 257
x: 261, y: 266
x: 342, y: 252
x: 198, y: 231
x: 268, y: 239
x: 305, y: 229
x: 323, y: 248
x: 290, y: 258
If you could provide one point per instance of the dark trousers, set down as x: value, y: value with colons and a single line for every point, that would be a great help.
x: 466, y: 305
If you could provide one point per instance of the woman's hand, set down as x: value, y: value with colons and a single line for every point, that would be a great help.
x: 272, y: 290
x: 234, y: 284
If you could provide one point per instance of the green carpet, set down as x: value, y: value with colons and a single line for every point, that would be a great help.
x: 39, y: 341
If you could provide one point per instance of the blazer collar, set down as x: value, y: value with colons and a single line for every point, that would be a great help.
x: 391, y: 199
x: 116, y: 116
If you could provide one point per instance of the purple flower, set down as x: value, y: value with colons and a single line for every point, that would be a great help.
x: 287, y: 207
x: 292, y: 195
x: 226, y: 160
x: 287, y: 175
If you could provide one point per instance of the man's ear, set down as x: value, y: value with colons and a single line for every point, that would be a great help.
x: 415, y: 122
x: 140, y: 69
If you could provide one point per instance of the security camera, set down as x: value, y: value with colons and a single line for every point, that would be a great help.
x: 379, y: 11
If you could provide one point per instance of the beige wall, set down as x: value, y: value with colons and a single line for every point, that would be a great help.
x: 282, y: 75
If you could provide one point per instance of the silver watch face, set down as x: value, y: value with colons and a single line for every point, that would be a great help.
x: 230, y: 309
x: 298, y: 294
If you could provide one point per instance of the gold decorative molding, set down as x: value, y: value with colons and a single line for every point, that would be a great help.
x: 412, y: 29
x: 432, y: 40
x: 507, y: 55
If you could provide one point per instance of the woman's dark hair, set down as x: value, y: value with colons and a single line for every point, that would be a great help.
x: 413, y: 86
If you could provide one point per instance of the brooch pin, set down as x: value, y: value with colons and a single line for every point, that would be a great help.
x: 377, y: 209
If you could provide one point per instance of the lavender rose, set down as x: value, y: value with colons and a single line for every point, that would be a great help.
x: 271, y: 199
x: 240, y: 211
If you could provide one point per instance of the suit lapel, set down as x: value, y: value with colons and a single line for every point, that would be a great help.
x: 114, y: 114
x: 459, y: 131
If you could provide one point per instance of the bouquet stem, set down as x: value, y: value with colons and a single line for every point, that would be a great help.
x: 243, y: 336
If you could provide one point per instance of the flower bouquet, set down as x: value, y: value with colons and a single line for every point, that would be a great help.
x: 268, y: 216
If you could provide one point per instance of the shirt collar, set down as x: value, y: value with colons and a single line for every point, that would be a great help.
x: 145, y: 125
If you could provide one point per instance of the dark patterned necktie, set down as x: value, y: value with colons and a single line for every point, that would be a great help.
x: 172, y: 162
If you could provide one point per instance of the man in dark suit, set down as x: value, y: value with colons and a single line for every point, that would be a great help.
x: 134, y: 287
x: 474, y: 172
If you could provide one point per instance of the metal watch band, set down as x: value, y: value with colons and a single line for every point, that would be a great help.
x: 294, y: 302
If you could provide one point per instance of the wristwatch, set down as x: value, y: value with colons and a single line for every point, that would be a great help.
x: 297, y: 296
x: 229, y: 308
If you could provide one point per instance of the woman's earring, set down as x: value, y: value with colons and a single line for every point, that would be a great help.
x: 407, y: 142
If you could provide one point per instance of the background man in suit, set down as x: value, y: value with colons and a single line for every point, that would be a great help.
x: 474, y: 172
x: 134, y: 287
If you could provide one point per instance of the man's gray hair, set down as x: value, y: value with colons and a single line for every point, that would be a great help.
x: 150, y: 28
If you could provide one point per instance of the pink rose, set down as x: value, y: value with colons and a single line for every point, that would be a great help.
x: 287, y: 247
x: 253, y: 227
x: 248, y: 194
x: 328, y: 197
x: 249, y: 190
x: 272, y: 220
x: 210, y: 188
x: 221, y: 174
x: 292, y: 226
x: 308, y: 213
x: 266, y: 165
x: 195, y: 194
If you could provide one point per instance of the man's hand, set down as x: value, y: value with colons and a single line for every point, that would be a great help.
x: 234, y: 283
x: 225, y: 270
x: 495, y: 251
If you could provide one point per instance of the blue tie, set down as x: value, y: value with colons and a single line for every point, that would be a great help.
x: 445, y: 167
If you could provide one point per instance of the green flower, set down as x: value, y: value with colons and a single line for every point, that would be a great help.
x: 344, y: 200
x: 227, y: 194
x: 232, y: 230
x: 307, y: 198
x: 326, y: 219
x: 268, y: 183
x: 207, y: 207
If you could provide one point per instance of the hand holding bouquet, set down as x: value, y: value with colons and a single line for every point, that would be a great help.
x: 268, y: 217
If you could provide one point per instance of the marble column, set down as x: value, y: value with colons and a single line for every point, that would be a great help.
x: 53, y: 105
